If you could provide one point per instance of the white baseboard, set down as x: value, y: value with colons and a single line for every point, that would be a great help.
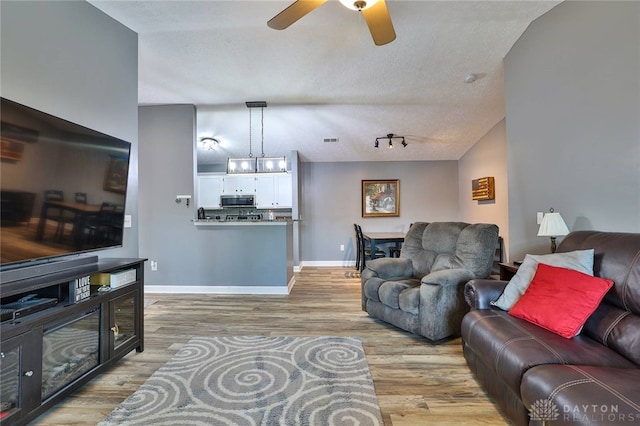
x: 328, y: 263
x: 202, y: 289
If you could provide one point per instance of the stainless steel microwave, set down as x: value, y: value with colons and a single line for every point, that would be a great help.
x: 237, y: 201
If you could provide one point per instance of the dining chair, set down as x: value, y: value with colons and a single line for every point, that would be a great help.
x: 99, y: 227
x: 68, y: 219
x: 364, y: 250
x: 396, y: 251
x: 81, y: 197
x: 55, y: 214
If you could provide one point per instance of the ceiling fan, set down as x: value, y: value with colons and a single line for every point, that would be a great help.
x: 375, y: 13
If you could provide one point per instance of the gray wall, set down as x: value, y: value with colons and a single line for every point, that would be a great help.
x: 331, y: 202
x: 187, y: 255
x: 488, y: 157
x: 573, y: 127
x: 87, y: 74
x: 167, y: 169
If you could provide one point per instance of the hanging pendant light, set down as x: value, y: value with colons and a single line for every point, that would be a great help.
x: 245, y: 164
x: 251, y: 164
x: 268, y: 164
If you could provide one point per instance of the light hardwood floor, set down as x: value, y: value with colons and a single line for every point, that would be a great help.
x: 417, y: 383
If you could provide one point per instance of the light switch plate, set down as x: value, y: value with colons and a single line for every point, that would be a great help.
x: 539, y: 216
x: 127, y: 221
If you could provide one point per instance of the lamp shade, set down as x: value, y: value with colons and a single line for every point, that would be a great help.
x: 552, y: 225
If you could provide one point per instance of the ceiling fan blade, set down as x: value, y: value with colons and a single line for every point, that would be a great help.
x: 379, y: 23
x: 291, y: 14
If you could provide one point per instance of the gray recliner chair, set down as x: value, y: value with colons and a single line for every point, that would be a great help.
x: 422, y: 290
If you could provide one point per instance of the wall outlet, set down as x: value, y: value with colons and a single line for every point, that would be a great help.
x: 154, y: 265
x: 341, y: 247
x: 539, y: 216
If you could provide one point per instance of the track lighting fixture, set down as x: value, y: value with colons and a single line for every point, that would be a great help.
x: 390, y: 136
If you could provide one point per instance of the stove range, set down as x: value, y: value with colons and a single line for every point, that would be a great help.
x: 242, y: 218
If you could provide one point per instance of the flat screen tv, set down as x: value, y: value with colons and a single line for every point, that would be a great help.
x: 63, y: 188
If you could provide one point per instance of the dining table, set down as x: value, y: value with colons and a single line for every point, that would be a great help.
x: 377, y: 238
x: 81, y: 213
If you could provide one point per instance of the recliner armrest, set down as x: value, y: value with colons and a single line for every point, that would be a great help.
x: 386, y: 268
x: 480, y: 292
x: 448, y: 277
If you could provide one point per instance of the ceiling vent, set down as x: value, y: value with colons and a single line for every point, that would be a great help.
x: 331, y: 140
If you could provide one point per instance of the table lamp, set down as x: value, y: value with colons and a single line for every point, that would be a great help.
x: 553, y: 226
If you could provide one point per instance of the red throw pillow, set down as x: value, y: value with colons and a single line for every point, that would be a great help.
x: 560, y: 300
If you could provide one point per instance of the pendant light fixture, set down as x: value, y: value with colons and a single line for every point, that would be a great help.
x: 251, y: 164
x: 245, y: 164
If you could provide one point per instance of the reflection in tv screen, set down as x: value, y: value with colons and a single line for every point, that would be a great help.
x: 63, y: 187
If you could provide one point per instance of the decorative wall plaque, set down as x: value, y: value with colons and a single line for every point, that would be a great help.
x: 483, y: 189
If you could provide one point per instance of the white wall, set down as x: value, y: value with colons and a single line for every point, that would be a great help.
x: 72, y: 61
x: 488, y: 157
x: 573, y: 127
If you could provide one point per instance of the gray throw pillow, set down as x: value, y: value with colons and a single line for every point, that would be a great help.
x: 578, y: 260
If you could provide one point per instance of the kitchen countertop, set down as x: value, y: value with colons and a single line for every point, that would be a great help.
x: 215, y: 222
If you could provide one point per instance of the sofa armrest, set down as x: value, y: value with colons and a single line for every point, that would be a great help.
x: 387, y: 268
x: 480, y: 292
x: 448, y: 277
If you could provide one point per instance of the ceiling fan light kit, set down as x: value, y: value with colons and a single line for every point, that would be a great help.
x: 375, y: 14
x: 358, y: 5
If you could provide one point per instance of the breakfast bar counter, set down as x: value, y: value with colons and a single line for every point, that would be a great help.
x: 243, y: 257
x: 215, y: 222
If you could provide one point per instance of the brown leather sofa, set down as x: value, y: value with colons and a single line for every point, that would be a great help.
x: 537, y: 377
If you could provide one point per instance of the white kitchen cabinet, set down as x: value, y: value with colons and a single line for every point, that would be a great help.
x: 239, y: 184
x: 274, y: 191
x: 209, y: 190
x: 284, y: 185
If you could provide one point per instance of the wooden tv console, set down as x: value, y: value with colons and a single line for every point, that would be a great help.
x: 45, y: 355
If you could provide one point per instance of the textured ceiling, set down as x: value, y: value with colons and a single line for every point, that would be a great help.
x: 323, y: 77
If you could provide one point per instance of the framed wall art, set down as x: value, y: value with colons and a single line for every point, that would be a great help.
x: 381, y: 198
x: 115, y: 179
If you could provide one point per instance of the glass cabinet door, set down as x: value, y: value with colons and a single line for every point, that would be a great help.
x: 17, y: 376
x: 123, y: 320
x: 9, y: 381
x: 69, y: 351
